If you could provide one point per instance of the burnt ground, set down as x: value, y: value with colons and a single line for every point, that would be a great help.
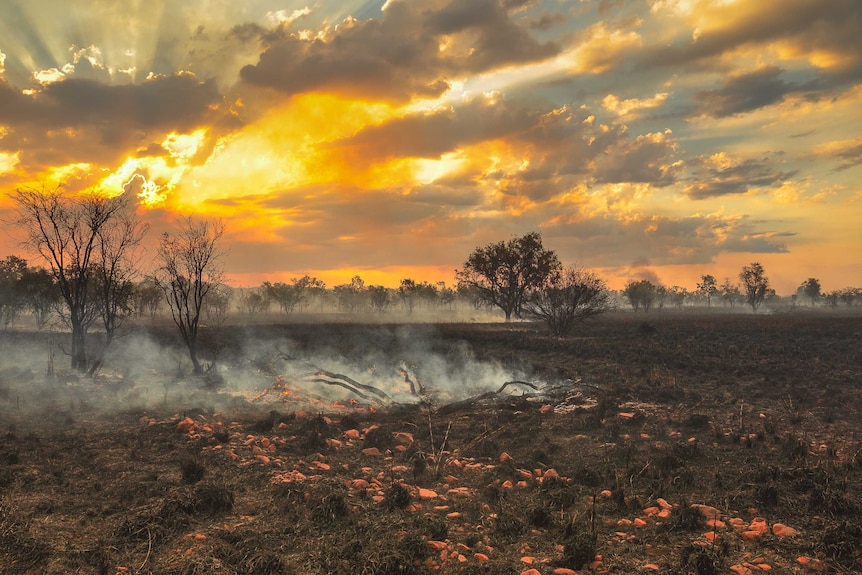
x: 668, y: 442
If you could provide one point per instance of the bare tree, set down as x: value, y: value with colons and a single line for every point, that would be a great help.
x: 190, y: 268
x: 77, y: 235
x: 567, y: 298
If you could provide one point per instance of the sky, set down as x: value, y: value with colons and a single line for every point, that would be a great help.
x: 644, y: 139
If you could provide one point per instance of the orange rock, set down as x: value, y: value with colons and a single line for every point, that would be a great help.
x: 359, y: 484
x: 663, y: 514
x: 507, y: 484
x: 626, y: 414
x: 707, y: 511
x: 437, y: 545
x: 751, y: 535
x: 710, y: 535
x: 186, y: 425
x: 403, y: 437
x: 531, y: 572
x: 427, y: 493
x: 551, y: 472
x: 546, y: 409
x: 322, y: 465
x: 504, y: 457
x: 764, y: 566
x: 529, y: 560
x: 652, y: 567
x: 651, y: 510
x: 717, y: 523
x: 563, y: 571
x: 371, y: 452
x: 481, y: 557
x: 605, y: 493
x: 740, y: 569
x: 803, y: 560
x: 759, y: 524
x: 352, y: 434
x: 781, y: 530
x: 638, y: 522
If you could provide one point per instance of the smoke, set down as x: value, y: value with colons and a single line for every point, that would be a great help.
x: 321, y: 369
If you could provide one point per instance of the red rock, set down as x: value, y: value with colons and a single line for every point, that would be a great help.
x: 186, y: 425
x: 781, y: 530
x: 371, y: 452
x: 707, y: 511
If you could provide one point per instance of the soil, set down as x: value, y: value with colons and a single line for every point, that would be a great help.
x: 670, y: 442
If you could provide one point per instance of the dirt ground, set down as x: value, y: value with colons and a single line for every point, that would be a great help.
x: 671, y: 442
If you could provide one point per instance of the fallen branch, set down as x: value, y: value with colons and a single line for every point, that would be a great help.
x: 471, y: 401
x: 354, y: 383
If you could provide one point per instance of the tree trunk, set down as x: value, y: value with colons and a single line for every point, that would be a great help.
x: 79, y: 349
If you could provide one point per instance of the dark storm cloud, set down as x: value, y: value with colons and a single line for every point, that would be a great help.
x: 179, y: 102
x: 716, y: 178
x: 398, y: 56
x: 79, y: 120
x: 744, y: 93
x: 660, y: 240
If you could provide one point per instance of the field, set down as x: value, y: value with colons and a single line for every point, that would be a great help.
x: 669, y: 442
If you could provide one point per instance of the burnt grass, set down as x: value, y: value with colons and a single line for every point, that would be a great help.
x: 756, y: 416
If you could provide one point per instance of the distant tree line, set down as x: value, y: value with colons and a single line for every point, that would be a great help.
x: 88, y: 275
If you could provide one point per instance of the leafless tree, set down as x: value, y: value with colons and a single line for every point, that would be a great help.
x: 189, y: 269
x: 85, y: 239
x: 567, y: 298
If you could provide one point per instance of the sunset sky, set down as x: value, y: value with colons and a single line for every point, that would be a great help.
x: 658, y: 139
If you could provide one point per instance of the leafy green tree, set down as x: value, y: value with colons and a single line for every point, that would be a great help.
x: 40, y: 294
x: 351, y: 296
x: 755, y: 284
x: 12, y: 302
x: 567, y: 298
x: 379, y: 299
x: 501, y: 274
x: 730, y: 292
x: 641, y: 294
x: 677, y: 296
x: 148, y: 298
x: 810, y: 289
x: 707, y: 287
